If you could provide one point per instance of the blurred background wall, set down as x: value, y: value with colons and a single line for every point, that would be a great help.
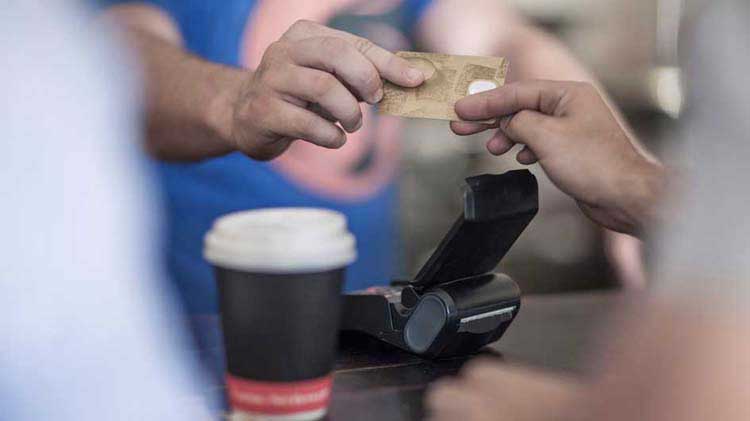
x: 631, y: 47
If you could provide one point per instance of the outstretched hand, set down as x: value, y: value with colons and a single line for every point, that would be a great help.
x: 310, y: 79
x: 570, y: 131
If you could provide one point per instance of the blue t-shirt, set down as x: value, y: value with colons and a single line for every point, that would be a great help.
x: 357, y: 180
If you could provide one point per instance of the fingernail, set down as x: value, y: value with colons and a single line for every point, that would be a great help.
x: 504, y: 122
x: 415, y: 75
x: 358, y: 125
x: 341, y: 140
x: 378, y: 95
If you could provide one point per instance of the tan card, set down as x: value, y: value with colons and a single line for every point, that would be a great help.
x: 448, y: 79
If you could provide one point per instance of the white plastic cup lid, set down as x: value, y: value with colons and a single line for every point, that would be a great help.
x: 280, y: 240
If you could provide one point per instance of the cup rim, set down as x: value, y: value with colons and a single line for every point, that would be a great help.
x: 280, y: 240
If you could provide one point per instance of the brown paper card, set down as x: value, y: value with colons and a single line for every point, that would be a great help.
x: 448, y: 79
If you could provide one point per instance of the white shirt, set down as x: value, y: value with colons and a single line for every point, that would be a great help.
x: 87, y: 325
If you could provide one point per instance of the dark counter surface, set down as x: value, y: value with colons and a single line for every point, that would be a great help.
x: 375, y: 381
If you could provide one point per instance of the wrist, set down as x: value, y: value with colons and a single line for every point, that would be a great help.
x: 220, y: 108
x: 644, y: 187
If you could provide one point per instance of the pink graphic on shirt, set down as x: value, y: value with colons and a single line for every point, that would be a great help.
x: 369, y: 160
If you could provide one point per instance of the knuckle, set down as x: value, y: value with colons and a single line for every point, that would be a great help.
x: 371, y: 81
x: 322, y: 84
x: 274, y: 49
x: 363, y: 45
x: 333, y: 44
x: 524, y: 117
x: 274, y: 57
x: 517, y: 121
x: 273, y: 77
x: 396, y: 63
x: 520, y: 122
x: 300, y: 26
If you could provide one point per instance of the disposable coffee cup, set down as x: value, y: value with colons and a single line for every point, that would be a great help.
x: 280, y: 274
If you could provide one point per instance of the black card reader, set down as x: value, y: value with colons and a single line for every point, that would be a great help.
x: 456, y: 304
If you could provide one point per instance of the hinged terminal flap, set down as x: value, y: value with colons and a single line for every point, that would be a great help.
x: 497, y: 208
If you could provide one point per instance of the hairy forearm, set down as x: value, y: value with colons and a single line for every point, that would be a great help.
x: 188, y: 100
